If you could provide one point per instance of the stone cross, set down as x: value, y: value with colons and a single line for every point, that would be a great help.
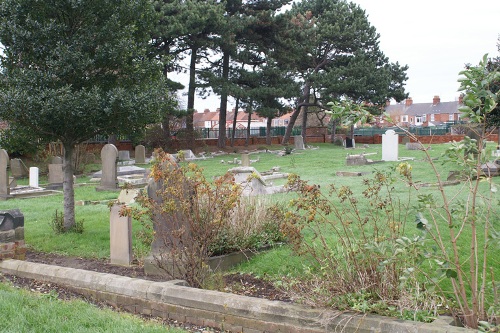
x: 4, y: 175
x: 109, y: 159
x: 140, y: 154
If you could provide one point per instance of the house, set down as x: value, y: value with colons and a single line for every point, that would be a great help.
x: 210, y: 119
x: 409, y: 114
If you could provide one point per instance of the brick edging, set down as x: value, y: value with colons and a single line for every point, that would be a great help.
x: 175, y: 300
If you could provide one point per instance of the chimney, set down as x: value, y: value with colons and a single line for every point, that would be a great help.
x: 408, y: 101
x: 436, y: 100
x: 461, y: 99
x: 206, y: 111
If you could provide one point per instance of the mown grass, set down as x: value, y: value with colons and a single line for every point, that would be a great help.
x: 318, y: 166
x: 23, y: 311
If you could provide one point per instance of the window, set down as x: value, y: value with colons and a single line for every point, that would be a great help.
x: 418, y: 120
x: 424, y: 118
x: 432, y: 117
x: 405, y: 119
x: 450, y: 117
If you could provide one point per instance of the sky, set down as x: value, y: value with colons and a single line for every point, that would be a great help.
x: 434, y: 38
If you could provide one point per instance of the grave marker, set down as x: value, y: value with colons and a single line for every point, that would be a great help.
x: 56, y: 160
x: 390, y: 146
x: 140, y: 154
x: 12, y: 234
x: 120, y: 232
x: 18, y: 169
x: 109, y: 158
x: 4, y: 175
x: 33, y: 177
x: 123, y: 155
x: 56, y: 176
x: 245, y: 160
x: 298, y: 142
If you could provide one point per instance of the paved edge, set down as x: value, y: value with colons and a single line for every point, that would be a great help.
x: 175, y: 300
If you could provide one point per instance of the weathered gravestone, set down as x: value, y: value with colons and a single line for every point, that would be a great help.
x: 390, y: 146
x: 172, y: 228
x: 298, y: 142
x: 33, y: 177
x: 56, y: 160
x: 413, y: 146
x: 18, y: 169
x: 245, y: 160
x: 56, y: 176
x: 140, y: 154
x: 120, y: 232
x: 4, y: 175
x: 356, y: 160
x: 12, y: 235
x: 123, y: 155
x: 109, y: 159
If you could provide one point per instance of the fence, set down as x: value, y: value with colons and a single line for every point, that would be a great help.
x: 212, y: 133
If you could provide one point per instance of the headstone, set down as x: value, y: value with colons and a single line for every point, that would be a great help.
x: 123, y: 155
x: 56, y: 176
x: 18, y: 169
x: 4, y: 175
x: 490, y: 169
x: 109, y: 158
x: 390, y: 144
x: 245, y: 160
x: 12, y: 234
x: 140, y: 154
x: 120, y: 240
x: 167, y: 225
x: 350, y: 143
x: 33, y: 177
x: 56, y: 160
x: 405, y: 140
x: 188, y: 154
x: 356, y: 160
x: 413, y: 146
x: 298, y: 142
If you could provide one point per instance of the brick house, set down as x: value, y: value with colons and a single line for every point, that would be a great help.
x: 210, y: 119
x: 424, y: 114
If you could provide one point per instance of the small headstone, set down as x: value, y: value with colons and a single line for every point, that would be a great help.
x: 390, y: 145
x: 120, y: 231
x: 56, y: 176
x: 356, y: 160
x: 140, y: 154
x: 298, y: 142
x: 56, y: 160
x: 490, y: 169
x: 350, y: 143
x: 12, y: 234
x: 413, y: 146
x: 109, y: 158
x: 4, y: 175
x: 245, y: 160
x: 33, y: 177
x: 405, y: 140
x: 123, y: 155
x: 18, y: 169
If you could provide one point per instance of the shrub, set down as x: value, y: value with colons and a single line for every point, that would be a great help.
x: 57, y: 224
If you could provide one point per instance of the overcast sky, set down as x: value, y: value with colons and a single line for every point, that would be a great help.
x: 434, y: 38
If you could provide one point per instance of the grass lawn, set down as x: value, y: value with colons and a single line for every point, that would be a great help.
x: 318, y: 166
x: 25, y: 311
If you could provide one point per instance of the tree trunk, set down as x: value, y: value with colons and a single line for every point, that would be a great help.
x: 295, y: 114
x: 221, y: 142
x: 334, y: 129
x: 268, y: 131
x: 247, y: 141
x: 68, y: 189
x: 190, y: 101
x: 235, y: 119
x: 307, y: 96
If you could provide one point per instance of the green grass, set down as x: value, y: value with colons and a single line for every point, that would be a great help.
x: 318, y: 166
x: 23, y: 311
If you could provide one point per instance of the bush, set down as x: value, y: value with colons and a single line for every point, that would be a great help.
x: 57, y: 224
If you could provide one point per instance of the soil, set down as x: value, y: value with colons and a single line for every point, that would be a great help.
x: 242, y: 284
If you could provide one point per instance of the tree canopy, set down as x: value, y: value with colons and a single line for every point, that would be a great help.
x: 75, y: 69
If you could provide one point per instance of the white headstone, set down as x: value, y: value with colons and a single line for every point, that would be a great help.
x: 33, y: 177
x: 390, y: 146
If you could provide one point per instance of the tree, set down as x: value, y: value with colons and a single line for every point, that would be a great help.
x: 335, y: 53
x: 75, y: 69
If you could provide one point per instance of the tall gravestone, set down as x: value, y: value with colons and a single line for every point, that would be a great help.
x: 140, y: 154
x: 18, y: 169
x: 109, y: 159
x: 4, y: 175
x: 167, y: 225
x: 120, y: 232
x: 34, y: 177
x: 56, y: 174
x: 390, y: 146
x: 245, y: 160
x: 298, y: 142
